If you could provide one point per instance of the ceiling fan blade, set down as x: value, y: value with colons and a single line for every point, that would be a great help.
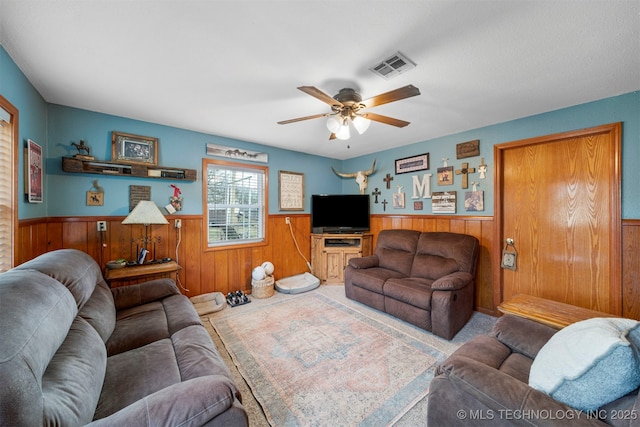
x: 299, y: 119
x: 317, y: 93
x: 386, y: 120
x: 394, y: 95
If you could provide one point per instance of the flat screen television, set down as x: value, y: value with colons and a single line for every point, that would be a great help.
x: 340, y: 213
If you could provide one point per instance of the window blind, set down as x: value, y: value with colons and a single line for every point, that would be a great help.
x: 235, y: 204
x: 6, y: 192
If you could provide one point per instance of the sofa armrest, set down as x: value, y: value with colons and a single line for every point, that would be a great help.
x: 190, y: 403
x: 465, y: 387
x: 364, y: 262
x: 453, y: 281
x: 142, y: 293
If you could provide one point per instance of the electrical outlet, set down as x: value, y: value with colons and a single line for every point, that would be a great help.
x: 287, y: 220
x: 177, y: 223
x: 102, y: 225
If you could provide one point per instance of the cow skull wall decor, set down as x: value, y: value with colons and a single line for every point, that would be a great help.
x: 360, y: 176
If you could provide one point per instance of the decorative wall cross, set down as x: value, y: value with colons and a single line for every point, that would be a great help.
x: 376, y: 193
x: 384, y: 203
x: 388, y: 180
x: 482, y: 168
x: 465, y: 171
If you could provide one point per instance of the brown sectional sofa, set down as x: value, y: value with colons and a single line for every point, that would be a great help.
x: 424, y: 278
x: 75, y: 352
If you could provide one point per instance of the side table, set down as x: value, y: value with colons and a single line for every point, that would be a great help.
x: 138, y: 273
x: 551, y: 313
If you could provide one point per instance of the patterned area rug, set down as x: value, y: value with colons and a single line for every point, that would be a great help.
x: 312, y: 360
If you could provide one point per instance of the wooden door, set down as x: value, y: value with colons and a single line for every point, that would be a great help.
x: 558, y: 198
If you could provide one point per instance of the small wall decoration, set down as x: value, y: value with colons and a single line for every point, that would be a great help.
x: 412, y: 164
x: 375, y: 194
x: 417, y: 206
x: 468, y: 149
x: 291, y: 190
x: 398, y: 199
x: 443, y: 202
x: 474, y: 200
x: 387, y: 179
x: 421, y: 188
x: 465, y: 171
x: 128, y: 148
x: 34, y: 172
x: 236, y: 153
x: 445, y: 175
x: 95, y: 196
x: 482, y: 168
x: 175, y: 201
x: 137, y: 193
x: 83, y: 148
x: 362, y: 177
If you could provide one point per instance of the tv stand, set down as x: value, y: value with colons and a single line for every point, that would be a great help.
x: 331, y: 252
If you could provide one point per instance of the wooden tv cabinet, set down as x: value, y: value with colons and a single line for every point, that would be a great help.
x: 330, y: 254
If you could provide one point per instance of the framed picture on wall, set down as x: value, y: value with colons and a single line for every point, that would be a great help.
x: 34, y: 172
x: 291, y: 190
x: 128, y: 148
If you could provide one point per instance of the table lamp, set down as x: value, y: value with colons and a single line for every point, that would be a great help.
x: 146, y: 213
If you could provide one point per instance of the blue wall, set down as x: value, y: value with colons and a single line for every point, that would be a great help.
x: 55, y: 127
x: 623, y: 108
x: 177, y: 148
x: 32, y: 117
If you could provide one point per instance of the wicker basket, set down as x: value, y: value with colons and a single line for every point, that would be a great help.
x: 262, y: 288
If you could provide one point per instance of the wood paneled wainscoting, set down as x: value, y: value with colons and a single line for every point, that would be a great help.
x: 227, y: 270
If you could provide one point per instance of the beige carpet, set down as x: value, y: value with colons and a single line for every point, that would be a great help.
x: 331, y: 298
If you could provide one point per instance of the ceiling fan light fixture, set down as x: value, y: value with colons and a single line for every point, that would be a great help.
x: 361, y: 124
x: 334, y: 124
x: 344, y: 133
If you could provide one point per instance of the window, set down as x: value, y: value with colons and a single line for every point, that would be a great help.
x: 235, y: 203
x: 8, y: 182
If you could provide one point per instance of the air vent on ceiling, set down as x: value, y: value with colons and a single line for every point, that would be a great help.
x: 393, y: 66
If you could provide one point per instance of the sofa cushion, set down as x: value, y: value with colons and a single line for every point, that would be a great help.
x: 36, y: 312
x: 461, y: 248
x: 432, y: 266
x: 135, y: 374
x: 100, y: 312
x: 395, y: 249
x: 372, y: 279
x: 137, y: 327
x: 72, y: 382
x: 73, y: 268
x: 589, y: 363
x: 522, y: 335
x: 410, y: 290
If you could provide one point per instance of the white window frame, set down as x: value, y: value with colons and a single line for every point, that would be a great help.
x: 226, y: 223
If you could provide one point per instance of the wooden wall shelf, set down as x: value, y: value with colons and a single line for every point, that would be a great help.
x: 74, y: 165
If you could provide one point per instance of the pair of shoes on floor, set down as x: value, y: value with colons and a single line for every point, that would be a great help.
x: 237, y: 298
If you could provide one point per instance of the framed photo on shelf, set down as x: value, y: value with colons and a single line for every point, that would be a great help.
x: 412, y: 164
x: 34, y: 172
x: 128, y: 148
x: 291, y: 190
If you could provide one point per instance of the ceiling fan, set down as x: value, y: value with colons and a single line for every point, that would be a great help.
x: 348, y: 107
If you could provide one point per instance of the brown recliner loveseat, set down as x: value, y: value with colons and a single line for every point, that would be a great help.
x: 424, y: 278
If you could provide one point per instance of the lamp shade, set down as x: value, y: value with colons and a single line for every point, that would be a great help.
x: 361, y: 124
x: 344, y: 133
x: 146, y: 212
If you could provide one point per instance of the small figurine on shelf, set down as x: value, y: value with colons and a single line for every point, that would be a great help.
x: 82, y: 147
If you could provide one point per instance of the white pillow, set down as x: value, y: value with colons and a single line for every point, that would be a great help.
x: 589, y: 363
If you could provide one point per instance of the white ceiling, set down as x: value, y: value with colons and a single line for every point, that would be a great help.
x: 231, y: 68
